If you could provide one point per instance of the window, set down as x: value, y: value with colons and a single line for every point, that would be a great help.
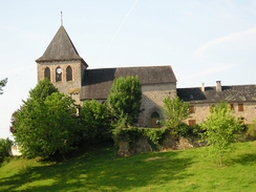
x: 240, y: 107
x: 58, y: 74
x: 69, y: 75
x: 231, y: 106
x: 191, y: 122
x: 192, y: 109
x: 47, y: 73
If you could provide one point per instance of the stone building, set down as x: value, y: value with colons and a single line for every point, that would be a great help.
x: 241, y: 98
x: 68, y: 71
x: 63, y: 66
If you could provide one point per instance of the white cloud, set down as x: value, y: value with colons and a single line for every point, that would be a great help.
x: 229, y: 38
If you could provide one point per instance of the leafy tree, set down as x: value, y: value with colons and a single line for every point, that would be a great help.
x: 220, y: 128
x: 5, y: 145
x: 95, y: 121
x: 43, y: 89
x: 124, y: 100
x: 46, y: 125
x: 175, y: 111
x: 3, y: 82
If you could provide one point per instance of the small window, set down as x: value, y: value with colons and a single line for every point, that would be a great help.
x: 240, y: 107
x: 47, y: 73
x: 191, y: 122
x: 192, y: 109
x: 231, y: 106
x: 69, y: 75
x: 58, y: 74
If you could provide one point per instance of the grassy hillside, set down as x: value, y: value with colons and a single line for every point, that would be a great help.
x: 100, y: 170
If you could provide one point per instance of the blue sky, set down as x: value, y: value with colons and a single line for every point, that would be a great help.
x: 203, y: 41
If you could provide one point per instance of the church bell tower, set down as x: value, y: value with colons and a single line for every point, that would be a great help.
x: 62, y: 65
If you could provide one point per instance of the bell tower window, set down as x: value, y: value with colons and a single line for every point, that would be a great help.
x: 58, y: 74
x: 47, y: 73
x: 69, y: 75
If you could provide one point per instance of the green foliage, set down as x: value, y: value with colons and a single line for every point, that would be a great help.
x: 175, y: 111
x: 188, y: 131
x: 46, y: 126
x: 5, y: 145
x: 155, y: 135
x: 251, y: 131
x: 220, y: 128
x: 124, y: 100
x: 95, y: 120
x: 3, y: 82
x: 43, y: 89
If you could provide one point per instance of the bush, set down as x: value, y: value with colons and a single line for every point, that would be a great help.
x: 5, y: 145
x: 155, y: 135
x: 251, y: 131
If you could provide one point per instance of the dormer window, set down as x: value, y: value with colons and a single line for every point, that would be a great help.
x: 47, y: 73
x: 58, y: 74
x: 69, y: 75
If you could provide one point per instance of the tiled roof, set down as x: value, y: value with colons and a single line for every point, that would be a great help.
x: 61, y: 48
x: 97, y: 82
x: 236, y: 93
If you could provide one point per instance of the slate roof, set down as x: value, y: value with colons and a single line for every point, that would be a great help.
x: 231, y: 94
x: 97, y: 82
x: 61, y: 48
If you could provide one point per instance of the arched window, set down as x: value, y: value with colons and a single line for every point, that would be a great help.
x: 155, y: 115
x: 58, y: 74
x: 69, y: 75
x: 47, y: 73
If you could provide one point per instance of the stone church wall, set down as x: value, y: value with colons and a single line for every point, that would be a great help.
x: 152, y: 100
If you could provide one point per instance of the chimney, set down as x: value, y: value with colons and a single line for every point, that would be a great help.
x: 218, y: 86
x: 202, y: 88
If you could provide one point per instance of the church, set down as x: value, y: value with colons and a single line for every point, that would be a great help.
x: 70, y: 73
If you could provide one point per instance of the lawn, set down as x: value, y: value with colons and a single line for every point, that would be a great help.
x: 100, y: 170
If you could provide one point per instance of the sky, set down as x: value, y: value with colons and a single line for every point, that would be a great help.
x: 203, y: 41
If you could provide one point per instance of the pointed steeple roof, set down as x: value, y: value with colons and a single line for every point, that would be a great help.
x: 61, y: 48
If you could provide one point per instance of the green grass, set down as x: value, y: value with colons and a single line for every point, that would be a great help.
x: 100, y: 170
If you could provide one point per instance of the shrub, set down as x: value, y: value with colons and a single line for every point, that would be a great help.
x: 155, y: 135
x: 5, y: 145
x: 251, y: 132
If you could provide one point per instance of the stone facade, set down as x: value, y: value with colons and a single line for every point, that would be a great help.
x: 152, y: 101
x: 72, y: 87
x: 201, y: 111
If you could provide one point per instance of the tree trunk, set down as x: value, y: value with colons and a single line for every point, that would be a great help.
x: 221, y: 160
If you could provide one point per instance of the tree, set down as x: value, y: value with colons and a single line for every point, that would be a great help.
x: 46, y: 125
x: 220, y: 128
x: 175, y: 111
x: 43, y: 89
x: 124, y: 100
x: 3, y: 82
x: 95, y: 119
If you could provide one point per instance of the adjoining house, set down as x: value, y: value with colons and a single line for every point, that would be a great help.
x: 68, y: 71
x: 241, y: 98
